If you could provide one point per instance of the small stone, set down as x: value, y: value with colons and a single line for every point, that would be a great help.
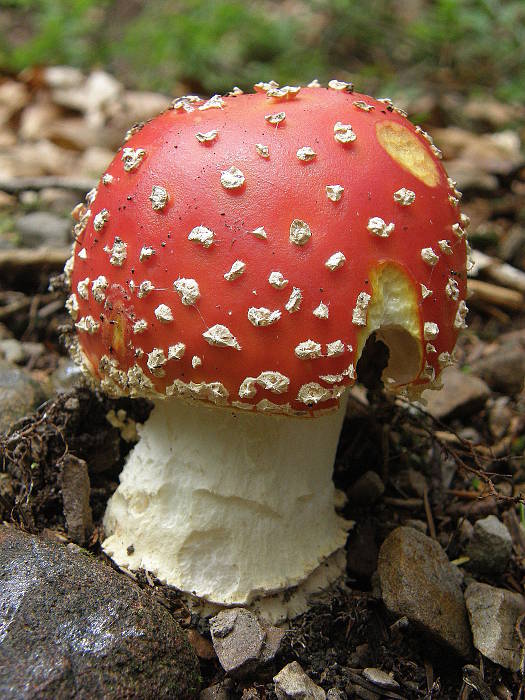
x: 500, y: 416
x: 19, y: 394
x: 504, y: 369
x: 43, y: 228
x: 201, y: 646
x: 462, y: 395
x: 380, y: 678
x: 76, y: 489
x: 214, y: 692
x: 292, y: 683
x: 367, y: 489
x: 242, y: 642
x: 493, y: 615
x: 419, y: 582
x: 95, y: 633
x: 490, y: 546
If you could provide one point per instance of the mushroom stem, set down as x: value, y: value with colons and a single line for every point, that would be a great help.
x: 227, y: 505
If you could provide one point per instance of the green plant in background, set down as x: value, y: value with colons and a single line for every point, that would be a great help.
x: 465, y: 45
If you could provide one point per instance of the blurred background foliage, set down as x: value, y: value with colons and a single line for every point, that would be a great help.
x: 470, y: 46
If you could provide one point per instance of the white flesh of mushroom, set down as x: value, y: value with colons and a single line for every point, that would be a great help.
x: 229, y: 505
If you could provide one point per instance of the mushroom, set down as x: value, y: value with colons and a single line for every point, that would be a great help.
x: 230, y: 266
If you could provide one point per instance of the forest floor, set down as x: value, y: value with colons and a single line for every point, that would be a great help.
x: 448, y: 470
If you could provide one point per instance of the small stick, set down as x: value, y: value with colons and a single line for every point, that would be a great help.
x: 494, y: 294
x: 14, y: 185
x: 34, y: 257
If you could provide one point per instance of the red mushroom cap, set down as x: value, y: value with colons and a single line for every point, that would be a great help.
x: 232, y: 249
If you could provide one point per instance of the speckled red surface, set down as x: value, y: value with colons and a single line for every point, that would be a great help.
x: 276, y: 191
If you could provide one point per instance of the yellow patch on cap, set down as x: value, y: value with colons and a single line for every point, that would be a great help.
x: 407, y: 150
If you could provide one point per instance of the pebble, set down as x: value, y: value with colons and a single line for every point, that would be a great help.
x: 419, y: 582
x: 366, y: 490
x: 504, y: 369
x: 493, y: 615
x: 242, y: 642
x: 215, y: 692
x: 380, y: 678
x: 490, y: 546
x: 66, y: 376
x: 76, y: 490
x: 74, y: 627
x: 461, y: 396
x: 500, y: 416
x: 42, y: 228
x: 16, y: 352
x: 292, y: 683
x: 19, y: 395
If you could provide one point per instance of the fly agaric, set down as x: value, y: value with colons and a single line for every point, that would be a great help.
x: 230, y: 266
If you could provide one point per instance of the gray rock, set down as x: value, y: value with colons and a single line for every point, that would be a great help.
x: 66, y: 376
x: 14, y: 351
x: 43, y: 228
x: 418, y: 581
x: 242, y: 642
x: 500, y: 416
x: 462, y: 394
x: 73, y: 627
x: 367, y: 489
x: 19, y: 395
x: 76, y: 489
x: 214, y: 692
x: 490, y: 546
x: 493, y: 615
x: 292, y: 683
x: 504, y: 369
x: 380, y: 678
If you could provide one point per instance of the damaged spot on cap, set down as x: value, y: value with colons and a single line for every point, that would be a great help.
x: 308, y: 350
x: 405, y: 148
x: 299, y: 232
x: 188, y: 290
x: 235, y: 271
x: 132, y: 158
x: 232, y: 178
x: 335, y: 261
x: 334, y: 192
x: 221, y: 337
x: 163, y: 313
x: 263, y: 316
x: 158, y: 198
x: 202, y: 235
x: 360, y: 309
